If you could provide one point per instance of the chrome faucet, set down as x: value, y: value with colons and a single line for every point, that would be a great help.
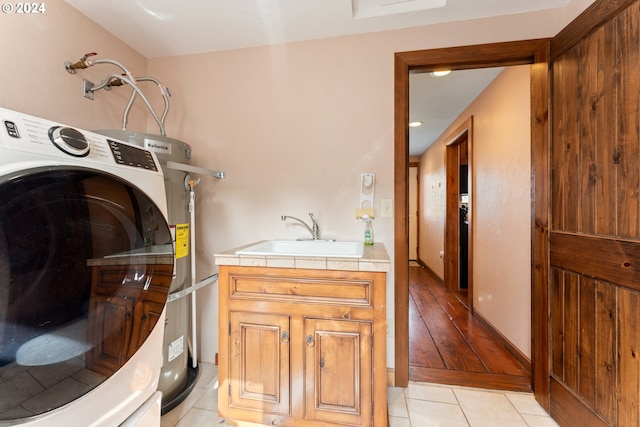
x: 314, y: 229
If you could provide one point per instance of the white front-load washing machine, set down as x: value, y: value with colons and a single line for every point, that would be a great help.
x: 86, y: 261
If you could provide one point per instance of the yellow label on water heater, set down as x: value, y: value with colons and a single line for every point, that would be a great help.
x: 182, y: 240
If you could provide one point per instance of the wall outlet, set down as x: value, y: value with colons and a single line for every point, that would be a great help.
x: 387, y: 208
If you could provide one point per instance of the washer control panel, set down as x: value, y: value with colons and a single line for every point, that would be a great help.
x: 125, y: 154
x: 23, y: 133
x: 69, y: 140
x: 12, y: 130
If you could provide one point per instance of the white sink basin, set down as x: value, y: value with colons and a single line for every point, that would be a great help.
x: 307, y: 248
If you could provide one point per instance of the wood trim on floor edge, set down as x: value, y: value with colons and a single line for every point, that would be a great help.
x: 508, y: 345
x: 470, y: 379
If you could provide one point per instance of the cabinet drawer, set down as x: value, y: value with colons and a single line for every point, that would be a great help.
x: 342, y: 288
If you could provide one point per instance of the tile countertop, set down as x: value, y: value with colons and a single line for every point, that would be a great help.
x: 375, y: 258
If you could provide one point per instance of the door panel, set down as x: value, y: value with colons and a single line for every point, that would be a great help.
x: 595, y: 226
x: 111, y: 325
x: 629, y: 345
x: 338, y: 371
x: 259, y: 362
x: 583, y: 337
x: 627, y: 152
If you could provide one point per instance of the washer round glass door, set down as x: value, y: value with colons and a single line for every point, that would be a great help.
x: 86, y: 261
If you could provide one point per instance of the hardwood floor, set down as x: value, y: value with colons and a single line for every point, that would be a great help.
x: 448, y: 345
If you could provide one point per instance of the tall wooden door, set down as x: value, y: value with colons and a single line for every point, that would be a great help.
x: 594, y: 238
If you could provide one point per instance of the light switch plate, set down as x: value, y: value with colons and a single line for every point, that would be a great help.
x: 387, y: 208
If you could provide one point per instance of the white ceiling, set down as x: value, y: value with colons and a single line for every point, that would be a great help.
x: 158, y: 28
x: 437, y: 101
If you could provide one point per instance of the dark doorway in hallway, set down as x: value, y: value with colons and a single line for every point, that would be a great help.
x: 448, y: 345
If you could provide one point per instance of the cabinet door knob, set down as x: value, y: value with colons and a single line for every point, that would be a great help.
x: 310, y: 341
x: 285, y: 337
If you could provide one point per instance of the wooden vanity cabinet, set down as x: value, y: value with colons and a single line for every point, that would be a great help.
x: 302, y: 347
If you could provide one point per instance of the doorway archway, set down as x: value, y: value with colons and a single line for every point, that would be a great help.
x: 466, y: 57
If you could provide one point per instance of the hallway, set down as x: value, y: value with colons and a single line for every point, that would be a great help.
x: 447, y: 345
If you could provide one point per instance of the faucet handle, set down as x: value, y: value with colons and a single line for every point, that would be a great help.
x: 314, y: 228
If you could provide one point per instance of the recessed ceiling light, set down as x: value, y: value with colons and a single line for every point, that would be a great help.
x: 415, y: 123
x: 440, y: 73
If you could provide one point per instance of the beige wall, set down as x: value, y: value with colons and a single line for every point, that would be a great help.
x: 501, y: 210
x: 33, y: 79
x: 432, y: 206
x: 294, y: 125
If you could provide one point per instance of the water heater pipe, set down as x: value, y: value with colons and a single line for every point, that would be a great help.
x: 194, y: 169
x: 127, y: 78
x: 190, y: 184
x: 192, y: 231
x: 105, y: 83
x: 165, y: 96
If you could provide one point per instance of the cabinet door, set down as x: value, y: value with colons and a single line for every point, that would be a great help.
x: 146, y: 316
x: 259, y: 362
x: 338, y: 371
x: 109, y: 325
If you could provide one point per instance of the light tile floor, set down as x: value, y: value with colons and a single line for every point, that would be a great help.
x: 419, y: 405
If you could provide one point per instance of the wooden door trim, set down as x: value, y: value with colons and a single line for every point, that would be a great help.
x: 417, y: 166
x: 466, y: 57
x: 454, y: 136
x: 540, y: 182
x: 452, y: 234
x: 401, y: 223
x: 451, y: 261
x: 473, y: 56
